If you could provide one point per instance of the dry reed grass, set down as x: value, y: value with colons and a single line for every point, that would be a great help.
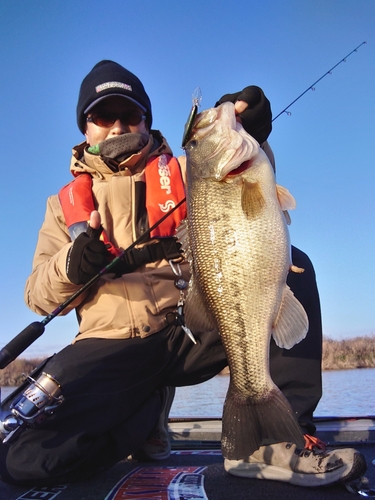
x: 12, y: 375
x: 358, y: 352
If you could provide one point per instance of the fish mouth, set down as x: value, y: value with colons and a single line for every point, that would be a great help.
x: 240, y: 169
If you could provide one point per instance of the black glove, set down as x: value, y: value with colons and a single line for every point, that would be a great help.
x: 257, y: 118
x: 86, y: 257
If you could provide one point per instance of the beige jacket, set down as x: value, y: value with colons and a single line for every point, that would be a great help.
x: 133, y: 305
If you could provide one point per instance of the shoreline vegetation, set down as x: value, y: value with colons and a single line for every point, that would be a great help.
x: 358, y: 352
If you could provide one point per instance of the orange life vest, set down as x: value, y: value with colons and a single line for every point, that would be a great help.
x: 164, y: 190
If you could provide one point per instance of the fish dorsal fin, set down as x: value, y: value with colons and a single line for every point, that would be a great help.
x: 197, y: 314
x: 252, y: 198
x: 182, y: 235
x: 286, y: 200
x: 291, y: 324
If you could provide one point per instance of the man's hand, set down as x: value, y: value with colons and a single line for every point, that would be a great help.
x: 88, y: 254
x: 254, y: 110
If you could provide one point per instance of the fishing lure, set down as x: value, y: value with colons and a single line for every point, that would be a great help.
x: 196, y: 99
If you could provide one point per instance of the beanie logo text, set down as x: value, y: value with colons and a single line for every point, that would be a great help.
x: 111, y: 85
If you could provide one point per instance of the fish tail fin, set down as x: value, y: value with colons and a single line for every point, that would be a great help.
x: 246, y: 426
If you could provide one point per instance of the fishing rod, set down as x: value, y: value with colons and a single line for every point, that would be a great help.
x: 33, y: 331
x: 312, y: 86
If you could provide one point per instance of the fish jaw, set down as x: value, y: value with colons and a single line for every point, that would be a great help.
x: 219, y: 144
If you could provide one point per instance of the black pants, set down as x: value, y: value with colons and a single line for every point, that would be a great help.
x: 297, y: 371
x: 112, y: 402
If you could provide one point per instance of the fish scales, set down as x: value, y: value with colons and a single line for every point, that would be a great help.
x: 240, y: 256
x: 224, y: 270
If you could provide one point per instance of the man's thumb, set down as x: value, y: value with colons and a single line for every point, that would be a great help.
x: 95, y: 219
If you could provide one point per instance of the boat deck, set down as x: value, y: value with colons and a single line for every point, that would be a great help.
x: 195, y: 470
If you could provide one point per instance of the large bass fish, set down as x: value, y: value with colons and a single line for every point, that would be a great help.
x: 239, y: 251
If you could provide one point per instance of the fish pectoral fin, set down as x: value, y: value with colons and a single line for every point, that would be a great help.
x: 291, y: 324
x: 286, y: 200
x: 252, y: 198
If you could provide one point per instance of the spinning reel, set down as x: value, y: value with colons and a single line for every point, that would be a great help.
x: 38, y: 401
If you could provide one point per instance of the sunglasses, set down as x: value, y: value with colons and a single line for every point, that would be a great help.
x: 107, y: 119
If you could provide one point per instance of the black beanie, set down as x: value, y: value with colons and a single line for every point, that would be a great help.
x: 108, y: 78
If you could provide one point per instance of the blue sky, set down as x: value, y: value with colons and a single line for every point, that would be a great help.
x: 324, y: 150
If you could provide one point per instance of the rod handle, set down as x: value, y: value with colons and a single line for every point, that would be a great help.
x: 21, y: 342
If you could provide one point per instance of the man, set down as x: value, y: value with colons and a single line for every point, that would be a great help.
x: 130, y: 349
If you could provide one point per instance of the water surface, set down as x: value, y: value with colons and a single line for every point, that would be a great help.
x: 345, y: 393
